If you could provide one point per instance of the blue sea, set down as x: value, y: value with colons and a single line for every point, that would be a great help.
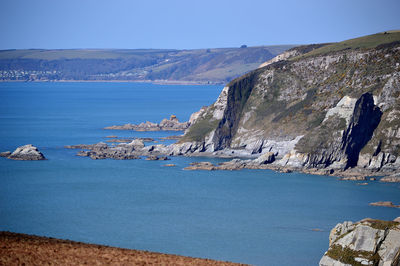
x: 250, y: 216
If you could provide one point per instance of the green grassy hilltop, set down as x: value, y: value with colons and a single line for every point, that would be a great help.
x: 364, y: 42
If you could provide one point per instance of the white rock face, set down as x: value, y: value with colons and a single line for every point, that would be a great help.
x: 386, y: 98
x: 182, y: 148
x: 255, y: 146
x: 390, y: 247
x: 255, y: 143
x: 220, y: 104
x: 27, y: 153
x: 197, y: 114
x: 344, y: 109
x: 280, y: 57
x: 137, y: 143
x: 268, y: 157
x: 280, y: 147
x: 293, y: 159
x: 362, y: 238
x: 209, y: 142
x: 340, y: 229
x: 364, y: 241
x: 328, y: 261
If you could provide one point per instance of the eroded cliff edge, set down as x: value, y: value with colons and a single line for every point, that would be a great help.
x: 334, y: 107
x: 367, y: 242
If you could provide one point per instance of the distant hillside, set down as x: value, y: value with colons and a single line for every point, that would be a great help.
x: 202, y: 65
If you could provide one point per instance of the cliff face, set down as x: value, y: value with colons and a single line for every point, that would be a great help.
x: 368, y: 242
x: 325, y: 108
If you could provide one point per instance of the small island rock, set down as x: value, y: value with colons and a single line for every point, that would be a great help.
x: 384, y: 204
x: 27, y: 153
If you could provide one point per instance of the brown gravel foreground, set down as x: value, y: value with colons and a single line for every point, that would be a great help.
x: 21, y: 249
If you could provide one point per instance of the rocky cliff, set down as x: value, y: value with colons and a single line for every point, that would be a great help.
x: 368, y: 242
x: 333, y: 106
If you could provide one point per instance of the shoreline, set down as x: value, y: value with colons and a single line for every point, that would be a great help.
x: 19, y: 249
x: 236, y: 164
x: 157, y: 82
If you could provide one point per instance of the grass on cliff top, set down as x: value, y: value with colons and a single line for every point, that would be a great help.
x: 383, y: 225
x: 365, y: 42
x: 199, y: 130
x: 347, y: 255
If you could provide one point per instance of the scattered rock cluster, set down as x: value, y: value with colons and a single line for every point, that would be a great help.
x: 123, y: 151
x: 171, y: 124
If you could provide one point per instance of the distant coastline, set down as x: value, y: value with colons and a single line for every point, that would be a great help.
x: 160, y: 82
x: 198, y: 66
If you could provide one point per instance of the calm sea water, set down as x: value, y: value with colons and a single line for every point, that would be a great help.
x: 249, y: 216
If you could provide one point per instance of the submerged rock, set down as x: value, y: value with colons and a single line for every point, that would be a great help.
x: 200, y: 166
x: 157, y: 158
x: 26, y: 153
x: 384, y: 204
x: 368, y: 242
x: 353, y: 178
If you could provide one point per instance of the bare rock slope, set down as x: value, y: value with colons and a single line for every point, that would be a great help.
x: 368, y: 242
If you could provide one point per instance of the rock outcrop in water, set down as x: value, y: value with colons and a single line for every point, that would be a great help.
x: 368, y: 242
x: 24, y: 153
x: 171, y: 124
x: 334, y: 109
x: 123, y: 151
x: 384, y: 204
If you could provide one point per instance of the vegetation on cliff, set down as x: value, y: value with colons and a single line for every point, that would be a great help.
x: 338, y: 102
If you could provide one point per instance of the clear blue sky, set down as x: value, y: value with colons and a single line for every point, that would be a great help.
x: 187, y: 24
